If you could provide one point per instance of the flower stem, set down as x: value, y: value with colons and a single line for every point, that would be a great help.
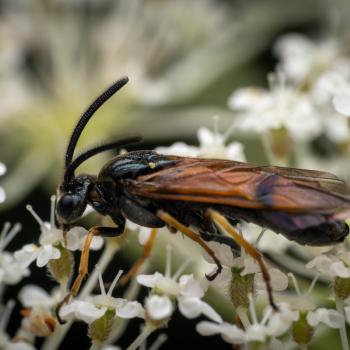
x: 342, y: 330
x: 146, y: 332
x: 52, y: 342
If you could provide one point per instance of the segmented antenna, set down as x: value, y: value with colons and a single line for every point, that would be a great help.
x: 99, y: 101
x: 69, y: 173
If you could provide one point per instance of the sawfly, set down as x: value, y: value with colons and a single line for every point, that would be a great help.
x: 199, y: 197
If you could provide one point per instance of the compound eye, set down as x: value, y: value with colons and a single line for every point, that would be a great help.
x: 69, y: 208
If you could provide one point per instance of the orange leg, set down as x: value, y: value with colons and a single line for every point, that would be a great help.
x: 171, y: 221
x: 138, y: 264
x: 222, y: 222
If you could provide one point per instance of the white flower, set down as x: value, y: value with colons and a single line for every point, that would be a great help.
x: 272, y: 324
x: 94, y: 308
x: 334, y: 263
x: 329, y: 317
x: 247, y: 265
x: 2, y: 191
x: 34, y: 297
x: 186, y: 290
x: 281, y: 107
x: 303, y: 59
x: 50, y: 238
x: 336, y: 85
x: 11, y: 272
x: 211, y: 145
x: 39, y: 319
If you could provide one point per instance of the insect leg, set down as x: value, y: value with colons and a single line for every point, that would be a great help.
x: 138, y: 264
x: 222, y: 222
x: 170, y: 220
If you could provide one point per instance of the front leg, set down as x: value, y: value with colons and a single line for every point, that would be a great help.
x: 84, y: 259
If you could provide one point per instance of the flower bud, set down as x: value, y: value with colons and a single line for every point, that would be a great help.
x: 61, y: 269
x: 302, y: 332
x: 341, y: 287
x: 281, y: 144
x: 240, y: 288
x: 100, y: 329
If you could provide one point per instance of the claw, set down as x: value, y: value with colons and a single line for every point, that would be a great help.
x: 214, y: 275
x: 66, y: 300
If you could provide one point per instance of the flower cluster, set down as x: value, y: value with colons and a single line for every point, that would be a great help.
x: 263, y: 304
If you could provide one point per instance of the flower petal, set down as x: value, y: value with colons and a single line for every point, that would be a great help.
x: 193, y: 307
x: 149, y: 280
x: 231, y: 333
x: 27, y: 254
x: 34, y: 296
x: 189, y: 287
x: 331, y: 318
x: 341, y: 103
x: 130, y: 309
x: 158, y: 307
x: 82, y: 310
x: 47, y: 252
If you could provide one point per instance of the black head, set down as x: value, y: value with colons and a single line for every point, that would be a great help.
x: 73, y: 192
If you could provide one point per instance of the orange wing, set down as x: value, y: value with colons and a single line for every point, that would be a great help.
x: 244, y: 185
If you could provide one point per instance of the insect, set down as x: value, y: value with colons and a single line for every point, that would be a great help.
x: 155, y: 190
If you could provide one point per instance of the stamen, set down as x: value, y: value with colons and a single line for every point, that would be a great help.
x: 295, y: 282
x: 242, y: 314
x: 100, y: 280
x: 6, y: 314
x: 229, y: 131
x: 216, y: 119
x: 312, y: 285
x: 5, y: 240
x: 181, y: 269
x: 52, y: 211
x: 169, y: 250
x: 266, y: 316
x: 4, y: 230
x: 114, y: 283
x: 37, y: 218
x: 252, y: 309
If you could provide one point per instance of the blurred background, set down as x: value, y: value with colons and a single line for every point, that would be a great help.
x: 184, y: 59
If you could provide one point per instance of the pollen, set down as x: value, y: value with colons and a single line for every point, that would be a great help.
x: 152, y: 165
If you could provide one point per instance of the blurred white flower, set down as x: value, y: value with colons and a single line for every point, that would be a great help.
x: 38, y: 319
x: 96, y: 307
x: 335, y: 85
x: 187, y: 291
x: 34, y: 297
x: 11, y: 272
x: 282, y: 107
x: 211, y: 145
x: 6, y: 342
x: 303, y: 60
x: 50, y: 238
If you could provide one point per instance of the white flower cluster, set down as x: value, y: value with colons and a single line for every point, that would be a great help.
x: 308, y: 97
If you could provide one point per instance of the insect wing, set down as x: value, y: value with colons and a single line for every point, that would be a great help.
x: 245, y: 185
